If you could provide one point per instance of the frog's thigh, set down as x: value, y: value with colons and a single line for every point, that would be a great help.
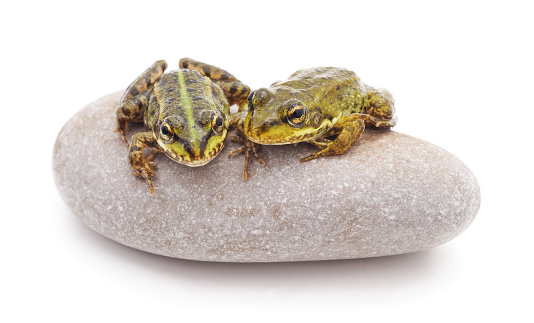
x: 142, y: 167
x: 150, y: 76
x: 235, y: 90
x: 351, y: 131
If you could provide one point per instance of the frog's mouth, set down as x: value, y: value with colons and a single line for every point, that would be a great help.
x: 184, y: 154
x: 269, y: 133
x: 191, y: 161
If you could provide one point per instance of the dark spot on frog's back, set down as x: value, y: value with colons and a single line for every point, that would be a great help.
x: 147, y: 79
x: 190, y: 81
x: 191, y: 90
x: 197, y: 98
x: 125, y: 112
x: 170, y: 89
x: 170, y: 101
x: 134, y: 91
x: 207, y: 70
x: 233, y: 89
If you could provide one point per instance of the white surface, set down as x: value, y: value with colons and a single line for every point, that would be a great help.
x: 461, y: 73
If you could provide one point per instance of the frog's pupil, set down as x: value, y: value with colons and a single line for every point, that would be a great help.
x: 165, y: 131
x: 297, y: 113
x: 218, y: 121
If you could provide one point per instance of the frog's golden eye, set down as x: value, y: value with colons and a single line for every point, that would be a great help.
x: 165, y: 132
x: 217, y: 123
x: 297, y: 114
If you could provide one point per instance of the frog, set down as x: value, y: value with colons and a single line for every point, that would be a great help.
x: 328, y: 107
x: 186, y: 113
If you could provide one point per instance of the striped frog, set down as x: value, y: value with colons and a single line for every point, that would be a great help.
x: 186, y: 113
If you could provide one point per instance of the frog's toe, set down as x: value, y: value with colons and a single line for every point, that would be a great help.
x: 239, y: 150
x: 248, y: 148
x: 146, y: 173
x: 310, y: 157
x: 237, y: 138
x: 150, y: 156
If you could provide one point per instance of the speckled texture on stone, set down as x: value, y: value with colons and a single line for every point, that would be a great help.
x: 390, y: 194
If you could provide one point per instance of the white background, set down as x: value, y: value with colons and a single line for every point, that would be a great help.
x: 461, y: 73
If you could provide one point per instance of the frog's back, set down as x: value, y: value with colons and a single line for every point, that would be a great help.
x: 336, y: 90
x: 321, y: 77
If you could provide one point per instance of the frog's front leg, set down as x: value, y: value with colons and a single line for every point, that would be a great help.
x: 248, y: 147
x: 143, y: 166
x: 350, y: 128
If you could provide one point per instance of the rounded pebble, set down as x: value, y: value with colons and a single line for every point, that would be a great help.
x: 389, y: 194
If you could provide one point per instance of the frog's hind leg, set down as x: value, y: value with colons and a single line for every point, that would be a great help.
x: 135, y: 98
x: 351, y: 129
x: 150, y: 76
x: 380, y: 108
x: 235, y: 91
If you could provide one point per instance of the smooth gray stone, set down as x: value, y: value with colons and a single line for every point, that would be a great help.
x: 389, y: 194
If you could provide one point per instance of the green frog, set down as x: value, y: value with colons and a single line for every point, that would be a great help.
x: 186, y: 113
x: 328, y: 107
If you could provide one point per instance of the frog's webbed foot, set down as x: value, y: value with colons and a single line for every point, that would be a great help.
x: 351, y: 130
x: 143, y: 167
x: 248, y: 148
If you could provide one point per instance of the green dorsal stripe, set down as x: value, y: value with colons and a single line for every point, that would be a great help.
x: 186, y: 104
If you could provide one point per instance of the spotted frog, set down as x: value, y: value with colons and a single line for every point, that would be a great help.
x: 326, y: 106
x: 186, y: 113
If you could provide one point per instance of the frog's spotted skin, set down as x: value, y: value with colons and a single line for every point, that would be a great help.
x: 185, y: 113
x: 315, y: 104
x: 237, y: 91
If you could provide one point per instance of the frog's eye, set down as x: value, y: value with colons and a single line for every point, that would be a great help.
x: 296, y: 115
x: 165, y: 131
x: 217, y: 123
x: 258, y: 98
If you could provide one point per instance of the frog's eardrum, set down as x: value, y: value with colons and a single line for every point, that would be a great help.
x: 389, y: 194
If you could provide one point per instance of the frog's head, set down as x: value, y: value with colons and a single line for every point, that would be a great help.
x: 280, y: 119
x: 194, y: 142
